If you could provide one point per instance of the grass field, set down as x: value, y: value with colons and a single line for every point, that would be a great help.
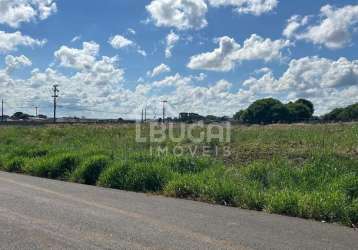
x: 308, y: 171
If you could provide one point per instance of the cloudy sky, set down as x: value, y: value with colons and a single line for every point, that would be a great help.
x: 111, y: 58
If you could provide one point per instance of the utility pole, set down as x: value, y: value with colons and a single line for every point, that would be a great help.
x: 36, y: 109
x: 2, y: 110
x: 55, y: 96
x: 142, y: 115
x: 164, y: 102
x: 145, y: 114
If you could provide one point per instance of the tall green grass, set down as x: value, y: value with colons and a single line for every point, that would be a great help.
x: 303, y: 171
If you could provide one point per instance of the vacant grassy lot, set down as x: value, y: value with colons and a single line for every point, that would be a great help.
x: 308, y: 171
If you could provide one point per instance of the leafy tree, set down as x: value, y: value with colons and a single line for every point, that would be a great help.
x: 308, y: 104
x: 349, y: 113
x: 238, y: 115
x: 299, y: 112
x: 272, y: 111
x: 21, y: 116
x: 266, y: 111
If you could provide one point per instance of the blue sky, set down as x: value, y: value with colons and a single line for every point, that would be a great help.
x: 210, y: 70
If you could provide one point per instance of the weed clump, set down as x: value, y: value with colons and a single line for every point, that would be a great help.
x: 185, y: 164
x: 90, y: 170
x: 138, y: 177
x: 56, y: 167
x: 14, y: 165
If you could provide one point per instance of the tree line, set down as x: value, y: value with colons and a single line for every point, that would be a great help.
x: 270, y: 110
x: 263, y: 111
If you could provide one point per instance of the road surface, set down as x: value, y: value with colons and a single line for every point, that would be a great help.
x: 42, y: 214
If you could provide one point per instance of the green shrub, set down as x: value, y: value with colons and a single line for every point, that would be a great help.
x: 148, y: 177
x: 327, y: 206
x: 90, y: 170
x: 135, y: 177
x: 186, y: 164
x: 115, y: 176
x: 56, y: 167
x: 352, y: 213
x: 250, y: 196
x: 29, y: 151
x: 185, y: 186
x: 223, y: 191
x: 14, y: 165
x: 257, y: 172
x: 2, y: 162
x: 211, y: 185
x: 283, y: 202
x: 348, y: 184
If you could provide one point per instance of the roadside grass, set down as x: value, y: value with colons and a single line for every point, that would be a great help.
x: 303, y: 170
x: 89, y: 171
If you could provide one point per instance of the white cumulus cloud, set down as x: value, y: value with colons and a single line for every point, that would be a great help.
x: 255, y: 7
x: 15, y: 62
x: 230, y: 53
x: 16, y: 12
x: 11, y: 41
x: 180, y: 14
x: 334, y: 30
x: 328, y: 83
x: 119, y: 42
x: 171, y: 39
x: 80, y: 59
x: 160, y: 69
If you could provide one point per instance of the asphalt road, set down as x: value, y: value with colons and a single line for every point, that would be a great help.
x: 45, y: 214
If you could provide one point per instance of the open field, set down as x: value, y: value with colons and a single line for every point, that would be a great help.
x: 308, y: 171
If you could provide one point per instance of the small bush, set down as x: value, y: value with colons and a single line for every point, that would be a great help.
x: 211, y: 185
x: 186, y: 186
x: 115, y: 176
x: 223, y: 192
x: 56, y: 167
x: 138, y: 177
x: 14, y: 165
x: 90, y: 170
x: 352, y: 213
x: 29, y: 152
x: 186, y: 164
x: 251, y: 196
x: 327, y: 206
x: 257, y: 172
x: 283, y: 202
x: 148, y: 177
x: 348, y: 184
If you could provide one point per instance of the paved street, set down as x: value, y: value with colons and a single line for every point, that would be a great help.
x: 41, y: 214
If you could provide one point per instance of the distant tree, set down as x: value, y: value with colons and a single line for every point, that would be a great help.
x: 20, y: 116
x: 299, y: 112
x: 211, y: 118
x: 349, y: 113
x: 190, y: 117
x: 238, y: 115
x: 266, y: 111
x: 307, y: 103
